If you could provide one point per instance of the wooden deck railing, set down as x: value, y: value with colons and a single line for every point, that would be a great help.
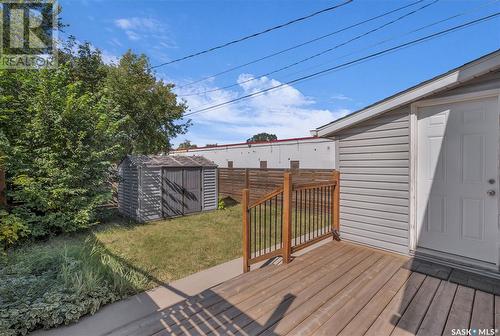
x: 289, y: 218
x: 262, y: 181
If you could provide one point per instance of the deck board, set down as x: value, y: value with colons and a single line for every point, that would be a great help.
x: 338, y: 289
x: 435, y: 319
x: 414, y: 314
x: 482, y: 311
x: 461, y: 309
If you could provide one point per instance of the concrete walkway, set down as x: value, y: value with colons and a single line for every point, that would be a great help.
x: 121, y: 313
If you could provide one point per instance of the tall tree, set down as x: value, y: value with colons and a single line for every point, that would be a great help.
x: 262, y: 137
x: 150, y: 109
x: 186, y: 144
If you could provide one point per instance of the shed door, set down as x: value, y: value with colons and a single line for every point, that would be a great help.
x: 172, y: 193
x: 457, y: 178
x: 192, y: 190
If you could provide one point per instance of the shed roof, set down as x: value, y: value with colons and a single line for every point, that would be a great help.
x: 452, y: 78
x: 170, y: 161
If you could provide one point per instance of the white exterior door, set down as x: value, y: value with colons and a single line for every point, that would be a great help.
x: 457, y: 178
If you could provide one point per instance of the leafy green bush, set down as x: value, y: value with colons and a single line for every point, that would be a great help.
x: 45, y: 286
x: 62, y: 156
x: 221, y: 205
x: 12, y: 228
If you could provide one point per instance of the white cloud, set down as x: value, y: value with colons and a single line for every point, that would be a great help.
x: 132, y: 35
x: 341, y: 96
x: 139, y: 23
x: 146, y: 28
x: 286, y: 112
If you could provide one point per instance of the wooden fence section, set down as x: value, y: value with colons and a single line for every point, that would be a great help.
x: 262, y: 181
x: 289, y: 218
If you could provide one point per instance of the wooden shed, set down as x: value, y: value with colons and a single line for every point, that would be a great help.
x: 156, y: 187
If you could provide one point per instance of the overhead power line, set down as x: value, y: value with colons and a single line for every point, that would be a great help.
x: 299, y: 45
x: 241, y: 39
x: 347, y: 64
x: 394, y: 37
x: 323, y: 52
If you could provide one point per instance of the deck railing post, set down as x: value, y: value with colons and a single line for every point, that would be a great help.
x: 246, y: 230
x: 335, y: 207
x: 287, y: 217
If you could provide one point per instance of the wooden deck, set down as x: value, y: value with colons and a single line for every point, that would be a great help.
x: 337, y: 289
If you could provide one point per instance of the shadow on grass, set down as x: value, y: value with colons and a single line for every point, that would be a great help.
x: 144, y: 273
x: 229, y: 202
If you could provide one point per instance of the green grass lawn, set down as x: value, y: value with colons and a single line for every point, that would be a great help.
x: 172, y: 249
x: 55, y: 282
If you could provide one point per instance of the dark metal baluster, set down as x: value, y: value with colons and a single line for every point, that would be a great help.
x: 320, y: 211
x: 320, y: 219
x: 324, y: 208
x: 270, y: 226
x: 301, y: 222
x: 309, y: 210
x: 281, y: 222
x: 276, y: 220
x: 260, y: 229
x: 329, y: 221
x: 264, y: 228
x: 295, y: 220
x: 315, y: 217
x: 250, y: 231
x: 255, y: 231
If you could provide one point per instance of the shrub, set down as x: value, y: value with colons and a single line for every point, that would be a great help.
x: 58, y: 164
x: 12, y: 228
x: 42, y: 287
x: 221, y: 205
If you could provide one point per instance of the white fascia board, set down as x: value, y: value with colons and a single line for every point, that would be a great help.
x: 452, y: 79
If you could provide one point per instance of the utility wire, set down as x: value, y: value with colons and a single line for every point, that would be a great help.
x: 241, y: 39
x: 394, y: 37
x: 356, y: 61
x: 371, y: 31
x: 299, y: 45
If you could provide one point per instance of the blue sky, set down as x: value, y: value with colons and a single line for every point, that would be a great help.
x: 165, y: 30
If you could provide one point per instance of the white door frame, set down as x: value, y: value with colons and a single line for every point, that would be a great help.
x: 412, y: 241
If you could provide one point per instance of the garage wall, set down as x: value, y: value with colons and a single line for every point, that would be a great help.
x: 373, y: 159
x: 374, y: 194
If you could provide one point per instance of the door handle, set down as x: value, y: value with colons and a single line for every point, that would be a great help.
x: 491, y: 192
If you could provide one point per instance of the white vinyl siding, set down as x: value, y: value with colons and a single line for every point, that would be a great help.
x: 374, y: 193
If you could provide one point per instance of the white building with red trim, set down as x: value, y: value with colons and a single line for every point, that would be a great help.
x: 309, y: 152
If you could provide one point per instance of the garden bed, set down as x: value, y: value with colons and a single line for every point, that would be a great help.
x: 56, y: 282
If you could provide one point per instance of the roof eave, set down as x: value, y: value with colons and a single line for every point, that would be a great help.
x: 453, y: 78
